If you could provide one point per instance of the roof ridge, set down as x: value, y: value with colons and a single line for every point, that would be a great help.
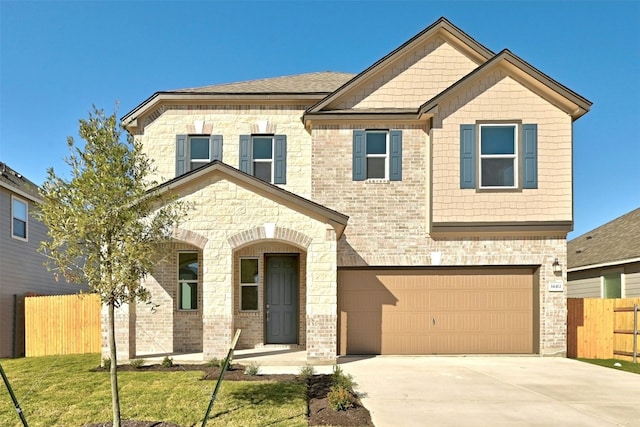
x: 264, y: 79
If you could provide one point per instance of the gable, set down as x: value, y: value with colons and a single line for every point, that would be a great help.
x: 210, y: 179
x: 418, y: 74
x: 434, y: 58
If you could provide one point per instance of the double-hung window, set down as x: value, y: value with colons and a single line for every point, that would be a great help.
x: 194, y: 151
x: 377, y: 155
x: 188, y: 272
x: 19, y: 223
x: 265, y: 157
x: 199, y: 153
x: 499, y: 156
x: 249, y: 284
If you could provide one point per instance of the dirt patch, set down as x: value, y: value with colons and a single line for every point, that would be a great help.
x: 319, y: 412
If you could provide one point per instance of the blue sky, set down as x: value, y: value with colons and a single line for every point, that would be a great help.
x: 59, y: 58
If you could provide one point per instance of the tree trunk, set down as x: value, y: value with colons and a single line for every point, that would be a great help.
x: 115, y: 396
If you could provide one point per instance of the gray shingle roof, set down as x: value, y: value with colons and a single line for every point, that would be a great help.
x: 616, y: 240
x: 13, y: 179
x: 321, y: 82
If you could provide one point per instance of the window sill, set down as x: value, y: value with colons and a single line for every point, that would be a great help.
x: 376, y: 181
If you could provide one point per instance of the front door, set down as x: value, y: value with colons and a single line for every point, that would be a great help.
x: 282, y: 300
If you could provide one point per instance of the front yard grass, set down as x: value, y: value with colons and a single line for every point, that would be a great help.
x: 62, y: 391
x: 609, y: 363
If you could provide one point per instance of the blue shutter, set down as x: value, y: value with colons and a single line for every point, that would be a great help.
x: 215, y: 147
x: 530, y: 156
x: 280, y: 160
x: 359, y: 156
x: 467, y: 156
x: 395, y: 155
x: 246, y: 154
x: 182, y: 154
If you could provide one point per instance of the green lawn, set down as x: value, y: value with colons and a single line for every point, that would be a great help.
x: 61, y: 391
x: 609, y: 363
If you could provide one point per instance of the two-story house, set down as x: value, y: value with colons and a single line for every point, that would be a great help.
x: 418, y: 207
x: 22, y: 269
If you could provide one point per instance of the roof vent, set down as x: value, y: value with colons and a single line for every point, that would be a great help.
x: 589, y: 237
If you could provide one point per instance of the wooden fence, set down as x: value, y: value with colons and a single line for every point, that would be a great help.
x: 63, y: 324
x: 599, y: 328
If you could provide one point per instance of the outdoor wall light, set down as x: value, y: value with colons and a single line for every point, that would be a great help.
x: 557, y: 268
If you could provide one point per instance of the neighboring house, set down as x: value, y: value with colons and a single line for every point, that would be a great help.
x: 417, y: 207
x: 605, y: 262
x: 21, y: 266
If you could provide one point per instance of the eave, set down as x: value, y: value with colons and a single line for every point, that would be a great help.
x: 518, y: 228
x: 130, y: 120
x: 404, y: 115
x: 557, y: 94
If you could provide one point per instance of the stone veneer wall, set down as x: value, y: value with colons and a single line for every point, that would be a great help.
x: 159, y: 130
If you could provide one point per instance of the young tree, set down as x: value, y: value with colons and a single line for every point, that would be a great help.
x: 105, y: 226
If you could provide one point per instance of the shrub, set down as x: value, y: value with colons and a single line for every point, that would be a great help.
x: 253, y: 369
x: 307, y: 371
x: 136, y: 363
x: 340, y: 398
x: 340, y: 379
x: 167, y: 362
x: 106, y: 363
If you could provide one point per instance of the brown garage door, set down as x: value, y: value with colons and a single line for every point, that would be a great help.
x: 436, y: 311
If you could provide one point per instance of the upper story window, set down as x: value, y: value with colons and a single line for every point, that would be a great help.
x: 188, y: 272
x: 497, y: 156
x: 265, y: 157
x: 377, y: 154
x: 194, y: 151
x: 19, y: 221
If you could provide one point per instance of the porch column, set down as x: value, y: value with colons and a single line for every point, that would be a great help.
x: 217, y: 300
x: 322, y: 299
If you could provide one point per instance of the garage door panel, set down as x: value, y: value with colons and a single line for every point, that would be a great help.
x: 436, y: 311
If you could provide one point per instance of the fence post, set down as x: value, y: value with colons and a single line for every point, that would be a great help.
x: 635, y: 333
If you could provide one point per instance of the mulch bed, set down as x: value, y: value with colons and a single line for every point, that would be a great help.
x: 319, y: 412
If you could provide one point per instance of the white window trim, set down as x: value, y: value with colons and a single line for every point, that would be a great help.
x: 180, y: 282
x: 378, y: 156
x: 256, y: 284
x: 273, y: 154
x: 514, y: 156
x: 622, y: 281
x: 26, y: 220
x: 199, y: 162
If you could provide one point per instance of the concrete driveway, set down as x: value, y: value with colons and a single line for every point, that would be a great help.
x: 494, y: 391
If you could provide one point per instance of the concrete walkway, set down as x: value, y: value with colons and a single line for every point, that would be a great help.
x: 494, y: 391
